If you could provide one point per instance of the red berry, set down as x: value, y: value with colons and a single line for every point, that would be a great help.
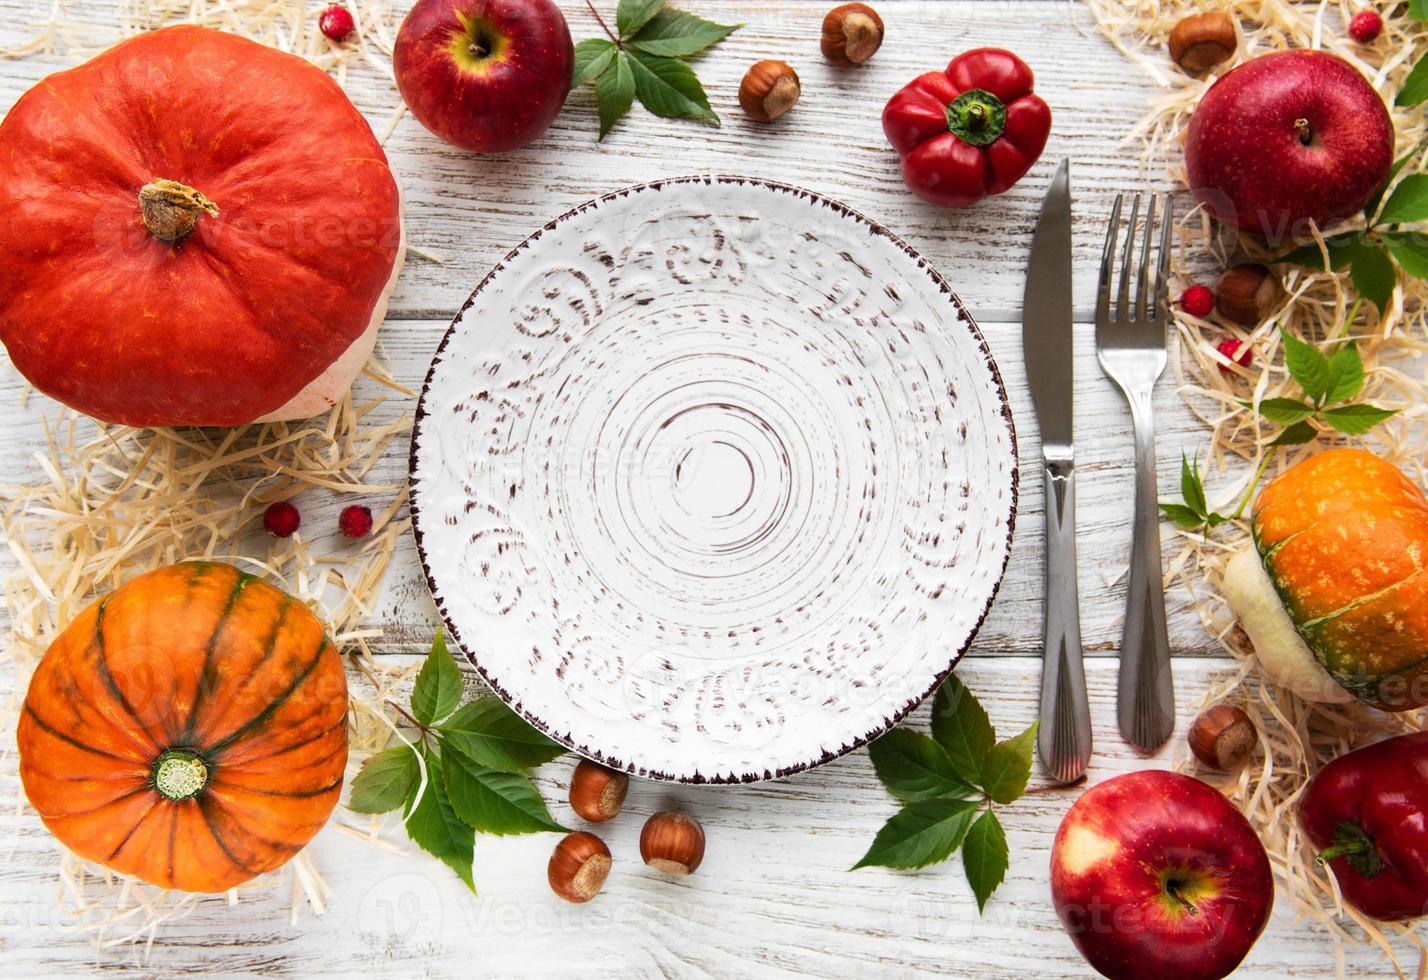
x: 1197, y: 301
x: 355, y: 521
x: 281, y: 519
x: 336, y: 22
x: 1229, y: 348
x: 1366, y: 26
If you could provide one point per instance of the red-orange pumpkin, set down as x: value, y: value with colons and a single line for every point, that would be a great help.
x: 198, y: 230
x: 189, y: 729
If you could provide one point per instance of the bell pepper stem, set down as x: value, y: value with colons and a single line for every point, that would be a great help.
x: 977, y: 117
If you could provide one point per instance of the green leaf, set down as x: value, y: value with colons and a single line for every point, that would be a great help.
x: 434, y: 826
x: 592, y: 57
x: 985, y: 856
x: 1346, y: 375
x: 1191, y: 487
x: 675, y: 34
x: 669, y: 88
x: 1408, y: 202
x: 914, y: 767
x: 631, y: 15
x: 1282, y: 411
x: 1418, y: 9
x: 1355, y: 420
x: 437, y: 690
x: 1410, y: 248
x: 495, y: 802
x: 1340, y: 249
x: 385, y: 780
x: 1306, y: 365
x: 961, y: 726
x: 614, y: 92
x: 1183, y: 516
x: 1296, y: 435
x: 1415, y: 86
x: 490, y: 734
x: 920, y: 834
x: 1007, y: 767
x: 1374, y: 274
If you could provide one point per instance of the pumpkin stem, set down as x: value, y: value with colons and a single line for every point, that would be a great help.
x: 179, y: 774
x: 170, y: 209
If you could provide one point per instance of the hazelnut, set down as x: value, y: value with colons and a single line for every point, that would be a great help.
x: 672, y: 842
x: 597, y: 793
x: 852, y: 34
x: 1248, y: 293
x: 1223, y: 737
x: 1201, y: 41
x: 769, y: 89
x: 578, y: 867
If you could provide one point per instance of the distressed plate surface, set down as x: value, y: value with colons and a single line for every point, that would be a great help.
x: 713, y: 479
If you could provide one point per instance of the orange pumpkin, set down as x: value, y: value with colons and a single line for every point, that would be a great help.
x: 1344, y: 538
x: 190, y: 729
x: 198, y: 230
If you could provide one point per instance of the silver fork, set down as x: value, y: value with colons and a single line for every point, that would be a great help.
x: 1130, y: 344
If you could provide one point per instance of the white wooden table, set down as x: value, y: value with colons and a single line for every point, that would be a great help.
x: 773, y: 896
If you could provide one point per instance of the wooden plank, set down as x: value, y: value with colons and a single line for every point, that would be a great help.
x: 1105, y: 487
x: 772, y: 897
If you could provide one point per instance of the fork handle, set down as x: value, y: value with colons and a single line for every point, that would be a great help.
x: 1064, y: 738
x: 1146, y: 709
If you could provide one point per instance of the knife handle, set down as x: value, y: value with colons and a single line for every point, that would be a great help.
x: 1147, y: 692
x: 1064, y: 740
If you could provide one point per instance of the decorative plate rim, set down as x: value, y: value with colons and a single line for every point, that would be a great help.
x: 963, y: 316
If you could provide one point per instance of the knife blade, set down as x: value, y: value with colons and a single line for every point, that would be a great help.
x: 1064, y: 739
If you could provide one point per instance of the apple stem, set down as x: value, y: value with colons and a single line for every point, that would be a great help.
x: 604, y: 26
x: 1174, y: 888
x: 1306, y: 134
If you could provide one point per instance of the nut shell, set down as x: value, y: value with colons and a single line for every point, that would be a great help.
x: 769, y: 89
x: 597, y: 793
x: 1202, y: 41
x: 578, y: 867
x: 1247, y: 293
x: 852, y: 33
x: 673, y: 842
x: 1223, y: 737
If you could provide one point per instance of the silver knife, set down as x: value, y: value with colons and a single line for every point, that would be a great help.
x: 1064, y: 741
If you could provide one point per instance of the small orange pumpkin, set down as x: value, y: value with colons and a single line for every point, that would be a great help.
x: 190, y: 729
x: 1344, y: 538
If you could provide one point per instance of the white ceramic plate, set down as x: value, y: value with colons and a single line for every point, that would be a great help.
x: 713, y: 479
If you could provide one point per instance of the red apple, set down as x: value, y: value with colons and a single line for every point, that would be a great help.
x: 1155, y: 874
x: 1287, y: 138
x: 484, y: 75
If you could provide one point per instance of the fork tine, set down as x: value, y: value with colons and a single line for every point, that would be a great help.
x: 1142, y: 275
x: 1162, y: 280
x: 1103, y: 287
x: 1123, y: 310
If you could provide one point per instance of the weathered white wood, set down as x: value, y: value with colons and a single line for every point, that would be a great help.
x: 773, y: 895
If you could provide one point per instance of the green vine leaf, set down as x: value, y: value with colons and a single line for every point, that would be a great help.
x: 490, y: 734
x: 669, y: 88
x: 920, y: 834
x: 1296, y: 435
x: 614, y: 92
x: 1183, y: 516
x: 1415, y: 86
x: 1408, y: 202
x: 438, y: 686
x: 985, y: 857
x: 1373, y: 273
x: 631, y: 15
x: 433, y: 825
x: 1346, y: 374
x: 961, y: 726
x: 1339, y: 249
x: 1355, y: 420
x: 495, y: 802
x: 592, y: 57
x: 675, y: 34
x: 385, y: 780
x: 1282, y: 411
x: 1007, y: 768
x: 1195, y: 511
x: 1410, y: 249
x: 914, y: 767
x: 1307, y: 366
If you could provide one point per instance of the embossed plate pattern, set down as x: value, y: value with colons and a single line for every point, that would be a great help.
x: 713, y: 479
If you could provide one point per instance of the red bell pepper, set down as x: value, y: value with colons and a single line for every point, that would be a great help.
x: 970, y: 131
x: 1368, y: 812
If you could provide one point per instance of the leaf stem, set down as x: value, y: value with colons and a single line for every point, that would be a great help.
x: 405, y: 714
x: 1349, y: 320
x: 603, y: 26
x: 1249, y: 493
